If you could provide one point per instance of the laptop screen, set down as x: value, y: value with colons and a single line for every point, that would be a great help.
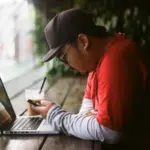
x: 7, y: 113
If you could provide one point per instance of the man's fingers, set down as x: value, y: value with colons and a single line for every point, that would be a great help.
x: 47, y: 103
x: 43, y: 102
x: 91, y: 113
x: 31, y: 112
x: 29, y: 109
x: 88, y: 114
x: 42, y: 110
x: 29, y: 106
x: 38, y: 109
x: 94, y: 112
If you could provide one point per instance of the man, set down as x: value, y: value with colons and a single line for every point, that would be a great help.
x: 117, y: 77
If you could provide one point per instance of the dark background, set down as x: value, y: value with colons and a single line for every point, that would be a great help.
x: 129, y: 16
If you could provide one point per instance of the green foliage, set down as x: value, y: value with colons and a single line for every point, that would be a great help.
x: 40, y: 45
x: 59, y: 69
x: 129, y: 16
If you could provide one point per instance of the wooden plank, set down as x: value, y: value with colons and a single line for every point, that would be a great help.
x: 63, y: 142
x: 97, y: 145
x: 35, y: 142
x: 74, y: 99
x: 20, y: 142
x: 72, y: 104
x: 60, y: 90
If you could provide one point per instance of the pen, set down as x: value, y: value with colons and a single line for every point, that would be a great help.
x: 42, y: 85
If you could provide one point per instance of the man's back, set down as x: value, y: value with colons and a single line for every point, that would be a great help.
x: 120, y: 81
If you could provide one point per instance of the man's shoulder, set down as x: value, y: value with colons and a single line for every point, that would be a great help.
x: 120, y: 48
x: 122, y: 51
x: 123, y: 43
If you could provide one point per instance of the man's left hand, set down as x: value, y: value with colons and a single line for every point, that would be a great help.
x: 91, y: 113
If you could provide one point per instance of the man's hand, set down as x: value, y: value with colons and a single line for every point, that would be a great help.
x: 91, y: 113
x: 40, y: 110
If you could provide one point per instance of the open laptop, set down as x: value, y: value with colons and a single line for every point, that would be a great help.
x: 12, y: 124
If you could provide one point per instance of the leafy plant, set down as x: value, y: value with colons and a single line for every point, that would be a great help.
x: 130, y: 17
x: 40, y: 45
x: 59, y: 69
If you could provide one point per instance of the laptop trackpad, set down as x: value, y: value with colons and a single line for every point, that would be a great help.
x: 46, y: 128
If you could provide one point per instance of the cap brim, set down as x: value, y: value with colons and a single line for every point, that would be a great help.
x: 51, y: 54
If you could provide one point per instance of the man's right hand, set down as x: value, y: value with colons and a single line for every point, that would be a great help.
x: 40, y: 110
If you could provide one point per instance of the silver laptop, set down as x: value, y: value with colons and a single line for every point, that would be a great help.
x: 12, y: 124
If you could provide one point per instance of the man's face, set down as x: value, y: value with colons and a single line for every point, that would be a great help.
x: 79, y: 56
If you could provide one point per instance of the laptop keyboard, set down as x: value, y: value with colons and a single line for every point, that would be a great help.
x: 26, y: 123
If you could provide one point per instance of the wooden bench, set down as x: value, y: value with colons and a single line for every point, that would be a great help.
x: 67, y: 92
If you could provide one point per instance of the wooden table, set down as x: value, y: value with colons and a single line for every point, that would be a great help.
x: 67, y: 92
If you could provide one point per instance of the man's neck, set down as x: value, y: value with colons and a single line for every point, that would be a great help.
x: 100, y: 45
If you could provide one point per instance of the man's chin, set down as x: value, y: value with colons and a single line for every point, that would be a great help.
x: 87, y: 72
x: 84, y: 73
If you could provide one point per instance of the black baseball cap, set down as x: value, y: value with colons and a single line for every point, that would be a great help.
x: 65, y: 27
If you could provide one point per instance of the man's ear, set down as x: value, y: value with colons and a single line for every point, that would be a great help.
x: 83, y: 41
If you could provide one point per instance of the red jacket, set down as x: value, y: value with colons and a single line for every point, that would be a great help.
x: 117, y: 83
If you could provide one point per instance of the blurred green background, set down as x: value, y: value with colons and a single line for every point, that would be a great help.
x: 129, y: 16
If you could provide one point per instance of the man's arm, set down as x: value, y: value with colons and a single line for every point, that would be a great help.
x: 86, y: 106
x: 84, y: 127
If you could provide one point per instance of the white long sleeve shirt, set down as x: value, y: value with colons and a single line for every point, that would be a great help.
x: 79, y: 125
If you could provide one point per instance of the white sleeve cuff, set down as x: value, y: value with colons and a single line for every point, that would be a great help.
x: 86, y: 106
